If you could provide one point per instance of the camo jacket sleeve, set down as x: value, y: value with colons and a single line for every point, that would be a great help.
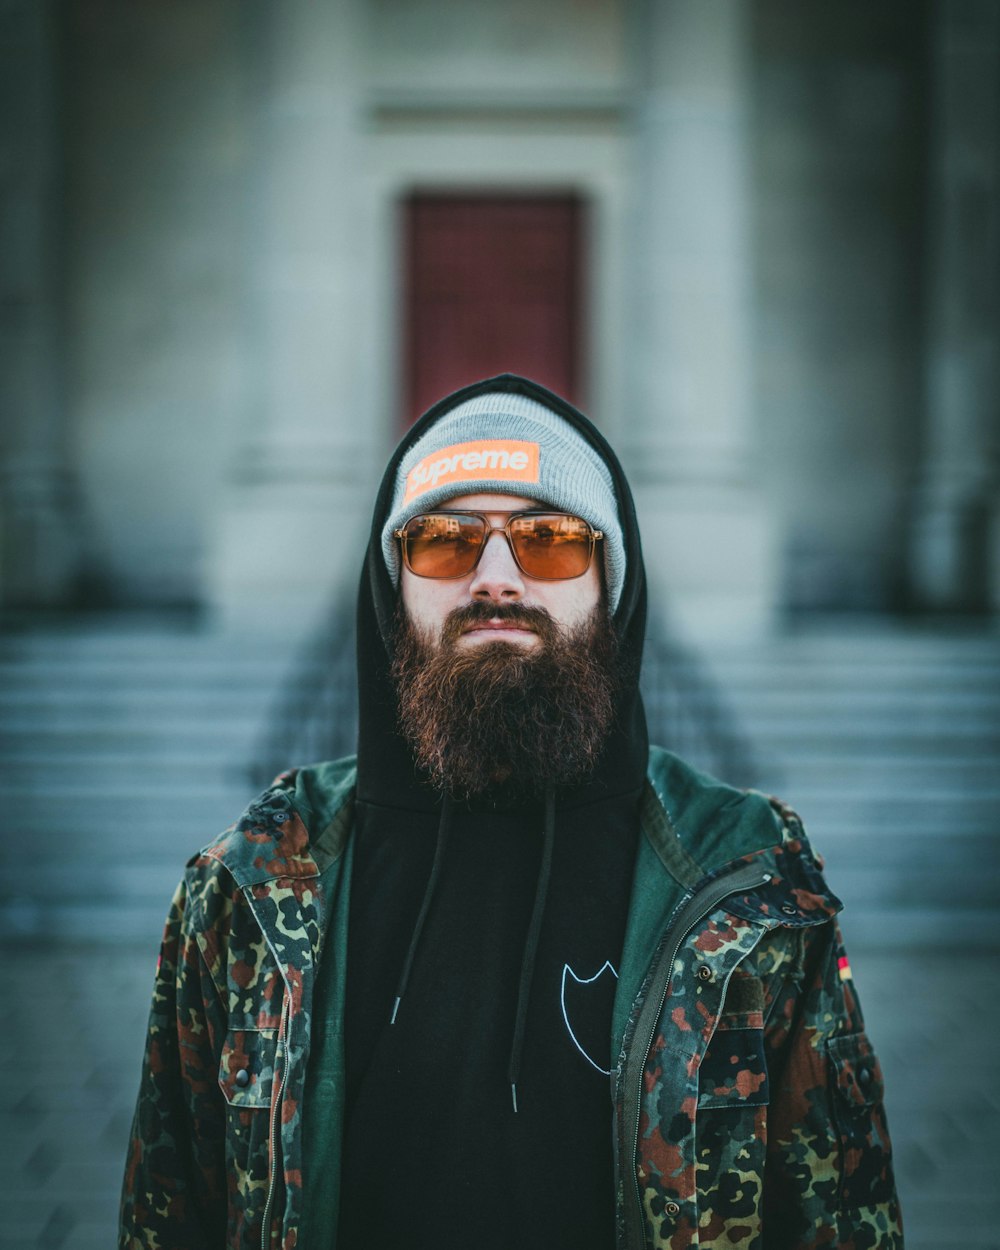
x: 828, y: 1180
x: 174, y: 1193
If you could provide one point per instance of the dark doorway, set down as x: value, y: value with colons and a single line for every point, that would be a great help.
x: 493, y: 285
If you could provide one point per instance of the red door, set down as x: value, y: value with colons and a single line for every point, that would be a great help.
x: 493, y: 285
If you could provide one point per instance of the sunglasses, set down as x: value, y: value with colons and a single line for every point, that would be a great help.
x: 549, y: 546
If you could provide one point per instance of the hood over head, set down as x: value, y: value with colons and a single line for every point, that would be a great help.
x: 506, y: 443
x: 507, y: 435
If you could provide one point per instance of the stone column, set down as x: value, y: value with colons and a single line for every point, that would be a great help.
x: 707, y: 533
x: 38, y: 551
x: 956, y: 532
x: 303, y: 461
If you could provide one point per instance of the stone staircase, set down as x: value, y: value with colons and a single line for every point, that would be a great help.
x: 124, y: 745
x: 886, y: 739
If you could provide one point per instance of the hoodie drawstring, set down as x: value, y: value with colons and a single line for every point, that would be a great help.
x: 444, y: 828
x: 531, y: 943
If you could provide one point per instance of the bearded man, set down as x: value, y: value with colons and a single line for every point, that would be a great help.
x: 510, y: 977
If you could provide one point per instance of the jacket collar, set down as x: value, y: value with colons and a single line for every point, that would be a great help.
x: 701, y: 830
x: 295, y: 830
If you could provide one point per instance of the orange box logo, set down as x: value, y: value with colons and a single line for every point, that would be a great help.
x: 495, y: 459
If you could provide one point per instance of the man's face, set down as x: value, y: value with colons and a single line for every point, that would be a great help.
x: 497, y: 580
x: 501, y: 678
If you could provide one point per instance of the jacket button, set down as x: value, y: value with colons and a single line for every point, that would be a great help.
x: 672, y: 1208
x: 279, y: 818
x: 789, y: 909
x: 242, y: 1078
x: 704, y: 972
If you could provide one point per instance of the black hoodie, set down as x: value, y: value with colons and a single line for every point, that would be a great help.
x: 430, y: 1118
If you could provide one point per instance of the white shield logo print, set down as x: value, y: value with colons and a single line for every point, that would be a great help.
x: 575, y: 984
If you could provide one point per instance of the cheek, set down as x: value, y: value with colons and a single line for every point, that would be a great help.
x: 589, y: 591
x: 571, y: 603
x: 426, y: 601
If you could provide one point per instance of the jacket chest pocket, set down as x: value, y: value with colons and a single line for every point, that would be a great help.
x: 246, y: 1067
x: 246, y: 1078
x: 866, y: 1175
x: 733, y: 1072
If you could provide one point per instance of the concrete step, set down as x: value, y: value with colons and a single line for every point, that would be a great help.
x: 810, y: 741
x: 109, y: 748
x: 82, y: 773
x: 128, y: 800
x: 153, y: 676
x: 842, y: 705
x: 177, y: 705
x: 897, y: 675
x: 933, y: 773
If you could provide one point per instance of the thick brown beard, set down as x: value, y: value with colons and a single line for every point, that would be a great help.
x: 498, y: 714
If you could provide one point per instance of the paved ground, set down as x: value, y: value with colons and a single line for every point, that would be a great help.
x: 71, y: 1054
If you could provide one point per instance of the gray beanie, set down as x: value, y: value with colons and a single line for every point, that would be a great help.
x: 511, y: 445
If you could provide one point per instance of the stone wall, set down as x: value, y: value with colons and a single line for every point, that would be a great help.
x: 789, y: 339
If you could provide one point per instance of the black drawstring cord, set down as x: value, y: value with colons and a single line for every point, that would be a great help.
x: 444, y: 827
x: 531, y: 943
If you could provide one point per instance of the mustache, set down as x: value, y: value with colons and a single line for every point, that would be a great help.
x: 480, y: 612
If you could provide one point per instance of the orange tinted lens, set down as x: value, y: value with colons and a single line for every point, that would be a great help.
x: 443, y: 544
x: 552, y: 545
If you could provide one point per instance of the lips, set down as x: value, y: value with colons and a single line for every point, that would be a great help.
x: 490, y: 620
x: 499, y: 627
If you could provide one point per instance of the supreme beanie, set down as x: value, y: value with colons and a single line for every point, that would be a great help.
x: 506, y: 444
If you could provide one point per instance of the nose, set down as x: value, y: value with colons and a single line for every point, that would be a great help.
x: 496, y: 577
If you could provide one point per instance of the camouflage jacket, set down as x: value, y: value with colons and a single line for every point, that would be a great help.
x: 748, y: 1099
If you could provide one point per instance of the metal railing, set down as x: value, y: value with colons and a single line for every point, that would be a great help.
x: 315, y: 715
x: 688, y: 713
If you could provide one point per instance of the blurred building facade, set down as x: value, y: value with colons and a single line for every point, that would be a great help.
x: 244, y: 240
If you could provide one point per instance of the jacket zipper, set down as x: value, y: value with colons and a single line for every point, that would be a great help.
x: 276, y: 1093
x: 687, y: 916
x: 278, y: 1082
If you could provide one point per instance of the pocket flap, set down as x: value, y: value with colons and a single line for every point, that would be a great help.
x: 246, y: 1068
x: 858, y: 1074
x: 733, y: 1072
